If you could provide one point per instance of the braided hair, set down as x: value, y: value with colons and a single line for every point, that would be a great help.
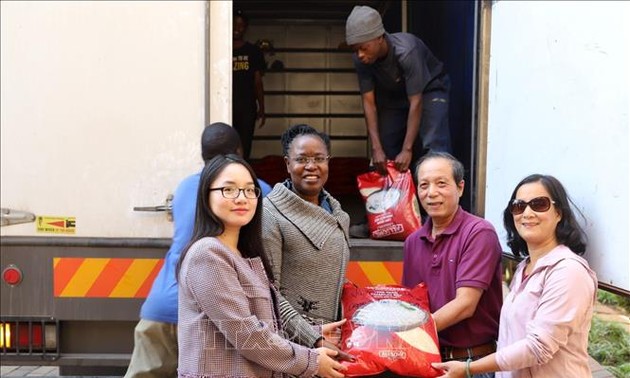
x: 301, y: 130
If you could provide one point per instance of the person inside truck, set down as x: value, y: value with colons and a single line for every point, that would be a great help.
x: 546, y: 318
x: 305, y: 229
x: 404, y: 90
x: 229, y: 309
x: 248, y: 100
x: 458, y: 256
x: 155, y: 340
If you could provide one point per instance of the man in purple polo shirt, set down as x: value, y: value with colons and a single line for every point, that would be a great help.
x: 458, y: 256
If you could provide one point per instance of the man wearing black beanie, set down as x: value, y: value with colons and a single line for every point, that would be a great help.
x: 403, y: 88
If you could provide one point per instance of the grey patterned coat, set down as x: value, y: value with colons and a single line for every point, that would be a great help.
x: 308, y: 249
x: 228, y: 324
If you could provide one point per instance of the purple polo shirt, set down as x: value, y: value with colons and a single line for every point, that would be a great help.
x: 466, y: 254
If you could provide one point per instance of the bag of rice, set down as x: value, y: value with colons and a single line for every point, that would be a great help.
x: 389, y: 327
x: 390, y: 203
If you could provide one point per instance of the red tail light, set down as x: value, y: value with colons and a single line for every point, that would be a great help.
x: 27, y: 336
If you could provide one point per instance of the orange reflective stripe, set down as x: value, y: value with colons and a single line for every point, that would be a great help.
x: 148, y: 282
x: 377, y: 273
x: 84, y: 277
x: 104, y: 277
x: 356, y: 275
x: 133, y: 278
x: 108, y: 278
x: 64, y: 269
x: 370, y: 273
x: 395, y: 268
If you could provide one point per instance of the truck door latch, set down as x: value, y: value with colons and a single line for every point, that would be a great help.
x: 10, y: 216
x: 167, y: 207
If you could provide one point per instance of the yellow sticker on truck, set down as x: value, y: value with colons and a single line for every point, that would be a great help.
x: 56, y: 225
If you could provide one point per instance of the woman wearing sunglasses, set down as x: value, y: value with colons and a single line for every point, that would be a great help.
x: 229, y: 321
x: 546, y: 317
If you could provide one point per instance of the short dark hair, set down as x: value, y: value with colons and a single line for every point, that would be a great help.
x: 456, y: 165
x: 208, y: 224
x: 568, y: 230
x: 219, y: 139
x: 300, y: 130
x: 239, y: 13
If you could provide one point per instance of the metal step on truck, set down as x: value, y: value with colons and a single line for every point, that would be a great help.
x: 102, y: 105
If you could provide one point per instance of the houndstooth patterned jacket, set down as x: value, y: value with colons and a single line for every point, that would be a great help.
x: 228, y: 323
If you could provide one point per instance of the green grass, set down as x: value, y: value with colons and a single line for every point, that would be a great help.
x: 613, y: 300
x: 609, y: 344
x: 622, y: 371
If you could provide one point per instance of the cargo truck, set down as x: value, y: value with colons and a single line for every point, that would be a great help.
x: 103, y: 103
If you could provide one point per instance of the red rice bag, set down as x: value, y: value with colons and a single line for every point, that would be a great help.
x: 389, y: 327
x: 390, y: 202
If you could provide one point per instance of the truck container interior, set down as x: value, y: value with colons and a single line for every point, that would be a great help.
x: 310, y: 79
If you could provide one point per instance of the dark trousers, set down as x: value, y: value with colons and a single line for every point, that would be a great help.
x: 244, y: 122
x: 434, y: 132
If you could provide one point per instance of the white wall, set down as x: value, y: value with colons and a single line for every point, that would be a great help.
x: 220, y: 61
x: 559, y: 101
x: 102, y: 110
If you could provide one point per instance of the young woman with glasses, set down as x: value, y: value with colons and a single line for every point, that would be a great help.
x: 546, y: 317
x: 305, y: 230
x: 229, y: 322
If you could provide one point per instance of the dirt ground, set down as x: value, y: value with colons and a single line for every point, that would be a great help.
x: 612, y: 314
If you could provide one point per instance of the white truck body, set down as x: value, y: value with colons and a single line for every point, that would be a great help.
x: 559, y: 98
x: 102, y: 110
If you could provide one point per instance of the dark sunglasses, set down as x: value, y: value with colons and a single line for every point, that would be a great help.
x: 538, y: 204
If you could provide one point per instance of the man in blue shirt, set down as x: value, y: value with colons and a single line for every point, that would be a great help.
x: 155, y: 339
x: 404, y: 91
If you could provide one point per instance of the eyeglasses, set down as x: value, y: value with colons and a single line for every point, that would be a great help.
x: 303, y: 160
x: 538, y: 204
x: 232, y: 192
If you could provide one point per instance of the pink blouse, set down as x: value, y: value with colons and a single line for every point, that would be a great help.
x: 546, y: 318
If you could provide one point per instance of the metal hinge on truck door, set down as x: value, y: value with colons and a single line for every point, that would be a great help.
x: 10, y: 216
x: 168, y: 207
